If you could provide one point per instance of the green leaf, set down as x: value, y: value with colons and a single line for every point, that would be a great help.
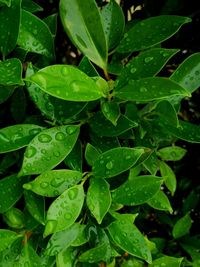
x: 86, y: 66
x: 111, y: 111
x: 103, y: 143
x: 64, y: 211
x: 113, y: 22
x: 5, y: 92
x: 98, y: 198
x: 116, y: 161
x: 137, y: 190
x: 169, y: 176
x: 74, y: 159
x: 14, y: 218
x: 34, y: 35
x: 53, y: 183
x: 82, y: 23
x: 160, y: 202
x: 103, y: 127
x: 146, y: 64
x: 17, y: 136
x: 7, y: 237
x: 91, y: 154
x: 51, y: 22
x: 127, y: 236
x: 81, y: 238
x: 150, y: 32
x: 62, y: 240
x: 149, y: 89
x: 151, y: 164
x: 9, y: 21
x: 66, y: 258
x: 31, y: 6
x: 6, y: 2
x: 173, y: 153
x: 182, y: 226
x: 11, y: 72
x: 36, y: 206
x: 66, y: 82
x: 167, y: 261
x: 11, y: 191
x: 48, y: 149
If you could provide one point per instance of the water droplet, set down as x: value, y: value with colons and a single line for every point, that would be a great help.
x: 72, y: 193
x: 128, y: 157
x: 143, y: 89
x: 44, y: 138
x: 34, y: 131
x: 133, y: 70
x: 56, y: 182
x: 56, y: 153
x: 60, y: 136
x: 71, y: 130
x: 81, y: 41
x: 44, y: 185
x: 197, y: 72
x: 78, y: 85
x: 43, y: 151
x: 27, y: 186
x: 30, y: 152
x: 148, y: 59
x: 68, y: 216
x: 65, y: 71
x: 109, y: 165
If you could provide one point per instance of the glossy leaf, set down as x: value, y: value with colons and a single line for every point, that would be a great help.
x: 11, y: 191
x: 48, y: 149
x: 64, y: 211
x: 149, y: 89
x: 62, y: 240
x: 126, y: 235
x: 81, y: 238
x: 167, y: 113
x: 31, y: 6
x: 51, y: 22
x: 150, y: 32
x: 9, y: 26
x: 91, y: 154
x: 146, y: 64
x: 7, y: 237
x: 6, y: 2
x: 169, y: 176
x: 34, y: 35
x: 103, y: 127
x: 110, y: 163
x: 98, y: 198
x: 111, y: 111
x: 182, y: 226
x: 151, y: 164
x: 14, y: 218
x: 82, y: 27
x: 113, y: 22
x: 74, y: 159
x: 66, y: 82
x: 53, y: 183
x: 17, y: 136
x: 160, y: 202
x: 11, y: 72
x: 137, y: 190
x: 167, y: 261
x: 87, y: 67
x: 171, y: 153
x: 66, y: 258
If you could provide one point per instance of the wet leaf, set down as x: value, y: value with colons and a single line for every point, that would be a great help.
x: 11, y: 72
x: 169, y: 176
x: 31, y: 6
x: 167, y: 261
x: 91, y: 154
x: 51, y: 22
x: 66, y: 258
x: 6, y: 2
x: 171, y: 153
x: 53, y: 183
x: 110, y: 163
x: 7, y: 237
x: 182, y: 226
x: 81, y: 237
x: 160, y: 202
x: 14, y: 218
x: 111, y: 111
x: 74, y: 159
x: 103, y: 143
x: 87, y: 67
x: 49, y: 148
x: 82, y: 27
x: 64, y: 211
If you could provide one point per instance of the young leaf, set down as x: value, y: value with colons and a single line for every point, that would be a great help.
x: 171, y: 153
x: 91, y: 154
x: 34, y: 35
x: 14, y: 218
x: 113, y: 22
x: 151, y: 164
x: 182, y: 226
x: 149, y: 89
x: 9, y: 29
x: 126, y: 235
x: 150, y: 32
x: 7, y: 237
x: 111, y: 111
x: 167, y: 261
x: 64, y: 211
x: 168, y: 176
x: 82, y: 22
x: 48, y: 149
x: 66, y: 82
x: 11, y: 72
x: 116, y: 161
x: 146, y: 64
x: 53, y: 183
x: 160, y: 202
x: 98, y: 198
x: 137, y: 190
x: 74, y: 159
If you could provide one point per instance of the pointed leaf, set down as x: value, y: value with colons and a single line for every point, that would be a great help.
x: 104, y: 143
x: 51, y: 22
x: 74, y: 159
x: 91, y: 154
x: 66, y: 258
x: 171, y: 153
x: 167, y: 261
x: 48, y: 149
x: 82, y: 22
x: 31, y: 6
x: 160, y: 202
x: 11, y: 72
x: 64, y: 211
x: 53, y: 183
x: 7, y: 237
x: 110, y: 163
x: 169, y: 176
x: 6, y: 2
x: 150, y: 32
x: 182, y: 226
x: 111, y: 111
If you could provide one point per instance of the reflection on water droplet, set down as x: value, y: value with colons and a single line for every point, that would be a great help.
x: 34, y: 131
x: 27, y: 186
x: 68, y: 216
x: 30, y: 152
x: 44, y: 138
x: 60, y: 136
x: 78, y: 86
x: 128, y: 157
x: 133, y: 70
x: 56, y: 153
x: 71, y: 129
x: 143, y: 89
x: 56, y: 182
x: 148, y: 59
x: 109, y: 165
x: 44, y: 185
x: 72, y: 193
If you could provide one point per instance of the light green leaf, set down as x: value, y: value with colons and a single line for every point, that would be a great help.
x: 35, y: 36
x: 126, y: 235
x: 7, y: 237
x: 53, y: 183
x: 82, y: 22
x: 9, y: 29
x: 169, y: 176
x: 150, y: 32
x: 167, y: 261
x: 160, y: 202
x: 113, y: 23
x: 98, y: 198
x: 48, y: 149
x: 116, y: 161
x: 64, y: 211
x: 137, y: 190
x: 66, y: 82
x: 14, y: 218
x: 91, y: 154
x: 11, y: 72
x: 182, y: 226
x: 146, y: 64
x: 81, y: 238
x: 17, y: 136
x: 66, y: 258
x: 9, y: 255
x: 111, y: 111
x: 173, y: 153
x: 149, y: 89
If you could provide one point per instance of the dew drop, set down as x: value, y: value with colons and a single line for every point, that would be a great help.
x: 60, y: 136
x: 71, y: 130
x: 27, y: 186
x: 30, y: 152
x: 109, y: 165
x: 133, y: 70
x: 44, y: 138
x: 34, y: 131
x: 68, y: 216
x: 56, y: 182
x: 65, y: 71
x: 78, y: 85
x: 56, y: 153
x: 148, y: 59
x: 44, y: 185
x: 143, y: 89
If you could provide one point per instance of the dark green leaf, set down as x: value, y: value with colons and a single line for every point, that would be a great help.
x: 5, y: 92
x: 171, y: 153
x: 167, y: 261
x: 87, y: 67
x: 31, y: 6
x: 11, y: 72
x: 168, y: 176
x: 150, y: 32
x: 6, y: 2
x: 18, y: 105
x: 7, y: 237
x: 51, y: 22
x: 182, y: 226
x: 160, y: 202
x: 82, y: 22
x: 104, y: 143
x: 151, y: 164
x: 91, y: 154
x: 74, y: 159
x: 111, y: 111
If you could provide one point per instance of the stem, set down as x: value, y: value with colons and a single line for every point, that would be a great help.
x: 106, y: 74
